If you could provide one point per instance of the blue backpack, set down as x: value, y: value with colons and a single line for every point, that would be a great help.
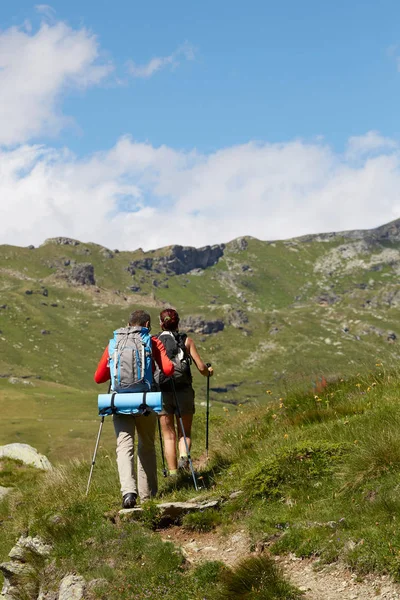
x: 130, y: 360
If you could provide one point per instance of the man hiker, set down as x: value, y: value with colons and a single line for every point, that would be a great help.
x: 145, y: 425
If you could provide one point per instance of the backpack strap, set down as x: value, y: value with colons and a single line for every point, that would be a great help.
x: 143, y: 408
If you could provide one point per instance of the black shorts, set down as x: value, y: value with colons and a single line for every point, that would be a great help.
x: 185, y: 398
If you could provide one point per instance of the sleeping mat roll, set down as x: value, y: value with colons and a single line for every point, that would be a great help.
x: 129, y: 404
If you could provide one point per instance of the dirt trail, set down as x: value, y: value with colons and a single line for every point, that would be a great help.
x: 333, y: 582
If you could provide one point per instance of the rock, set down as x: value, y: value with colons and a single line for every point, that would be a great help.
x: 72, y: 588
x: 238, y: 245
x: 26, y: 546
x: 4, y: 491
x: 17, y: 380
x: 238, y: 318
x: 171, y: 511
x: 106, y: 253
x: 200, y: 325
x: 134, y: 288
x: 19, y: 578
x: 235, y: 495
x: 26, y: 454
x: 82, y: 274
x: 180, y: 260
x: 61, y: 241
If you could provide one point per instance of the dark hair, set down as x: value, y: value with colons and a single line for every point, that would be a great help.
x: 169, y: 319
x: 139, y: 317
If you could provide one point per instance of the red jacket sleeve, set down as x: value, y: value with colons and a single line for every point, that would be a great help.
x: 161, y: 358
x: 103, y: 370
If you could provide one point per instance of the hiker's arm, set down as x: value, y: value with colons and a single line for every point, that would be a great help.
x: 202, y: 367
x: 161, y: 358
x: 103, y: 370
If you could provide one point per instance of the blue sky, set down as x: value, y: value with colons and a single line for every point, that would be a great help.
x: 308, y: 90
x: 262, y: 71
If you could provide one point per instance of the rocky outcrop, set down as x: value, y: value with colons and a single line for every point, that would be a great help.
x: 21, y: 573
x: 179, y: 260
x: 61, y: 241
x: 200, y: 325
x: 238, y: 245
x: 388, y: 232
x: 82, y: 274
x: 26, y: 454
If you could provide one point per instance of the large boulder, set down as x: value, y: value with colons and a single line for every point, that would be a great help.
x: 26, y: 454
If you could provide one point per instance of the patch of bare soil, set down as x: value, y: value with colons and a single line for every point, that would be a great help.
x: 200, y: 547
x: 336, y: 582
x: 332, y: 582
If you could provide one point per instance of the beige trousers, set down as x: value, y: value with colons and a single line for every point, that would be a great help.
x: 125, y: 426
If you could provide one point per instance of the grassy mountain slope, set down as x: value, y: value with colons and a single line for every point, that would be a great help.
x: 292, y: 311
x: 318, y: 476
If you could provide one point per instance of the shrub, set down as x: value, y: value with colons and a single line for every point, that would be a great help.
x: 294, y: 467
x: 256, y: 578
x: 201, y: 521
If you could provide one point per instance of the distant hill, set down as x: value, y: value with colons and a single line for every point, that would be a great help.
x: 260, y: 311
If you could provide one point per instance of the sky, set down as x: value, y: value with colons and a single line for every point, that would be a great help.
x: 147, y: 124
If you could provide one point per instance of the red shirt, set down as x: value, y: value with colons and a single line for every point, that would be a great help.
x: 159, y: 355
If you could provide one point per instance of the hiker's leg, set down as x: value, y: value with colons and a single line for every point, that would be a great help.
x: 147, y: 463
x: 167, y: 423
x: 124, y: 426
x: 185, y: 398
x: 187, y: 425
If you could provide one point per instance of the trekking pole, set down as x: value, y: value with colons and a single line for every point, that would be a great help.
x: 178, y: 410
x: 94, y: 455
x: 162, y: 449
x: 96, y: 447
x: 208, y: 365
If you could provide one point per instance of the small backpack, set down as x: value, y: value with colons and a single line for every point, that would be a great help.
x: 178, y: 354
x: 130, y: 360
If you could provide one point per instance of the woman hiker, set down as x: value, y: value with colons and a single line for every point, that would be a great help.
x: 182, y: 350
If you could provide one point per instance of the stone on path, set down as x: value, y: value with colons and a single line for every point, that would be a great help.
x: 171, y: 510
x: 26, y: 454
x: 72, y: 588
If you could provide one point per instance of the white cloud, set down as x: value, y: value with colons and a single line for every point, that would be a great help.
x: 157, y: 63
x: 136, y: 195
x: 46, y: 10
x: 35, y: 69
x: 371, y: 142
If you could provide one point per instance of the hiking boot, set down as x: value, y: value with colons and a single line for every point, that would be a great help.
x: 183, y: 463
x: 129, y: 500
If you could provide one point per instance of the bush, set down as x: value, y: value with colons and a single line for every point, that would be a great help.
x: 294, y: 467
x: 201, y: 521
x: 256, y: 578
